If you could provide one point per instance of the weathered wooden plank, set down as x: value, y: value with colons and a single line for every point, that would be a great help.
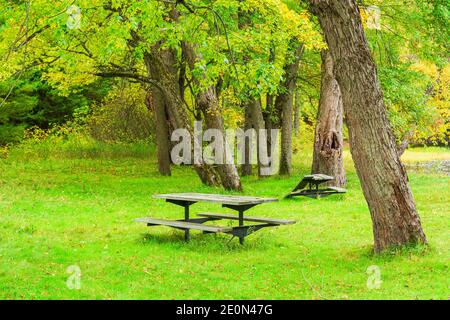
x: 184, y: 225
x: 313, y: 178
x: 337, y: 189
x: 217, y: 198
x: 247, y: 218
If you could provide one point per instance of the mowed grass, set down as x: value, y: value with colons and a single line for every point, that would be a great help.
x: 61, y: 209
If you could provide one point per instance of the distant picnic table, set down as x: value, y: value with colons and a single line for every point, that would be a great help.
x: 313, y: 191
x: 237, y: 203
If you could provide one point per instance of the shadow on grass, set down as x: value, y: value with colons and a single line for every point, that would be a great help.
x: 208, y: 242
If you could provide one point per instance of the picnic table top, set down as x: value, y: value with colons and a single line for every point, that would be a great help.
x: 217, y: 198
x: 315, y: 179
x: 318, y: 177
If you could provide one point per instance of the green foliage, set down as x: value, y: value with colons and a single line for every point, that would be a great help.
x: 242, y: 47
x: 10, y: 134
x: 409, y: 49
x: 405, y: 95
x: 31, y: 101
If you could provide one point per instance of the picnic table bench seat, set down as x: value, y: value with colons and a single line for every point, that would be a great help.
x: 183, y: 225
x: 337, y: 189
x: 246, y: 218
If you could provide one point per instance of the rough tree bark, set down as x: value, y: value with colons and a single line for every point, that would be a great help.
x: 284, y: 102
x: 155, y: 98
x: 161, y: 66
x: 328, y: 140
x: 208, y: 103
x: 382, y: 175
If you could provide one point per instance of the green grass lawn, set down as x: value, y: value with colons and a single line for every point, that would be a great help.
x: 62, y: 209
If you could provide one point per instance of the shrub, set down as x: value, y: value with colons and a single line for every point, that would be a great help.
x: 122, y: 117
x: 10, y: 134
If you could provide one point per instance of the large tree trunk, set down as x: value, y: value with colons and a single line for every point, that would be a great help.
x: 161, y: 64
x: 284, y: 102
x: 156, y: 99
x: 382, y: 175
x: 328, y: 141
x: 208, y: 103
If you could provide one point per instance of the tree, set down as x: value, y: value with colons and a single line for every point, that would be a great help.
x: 372, y: 144
x: 328, y: 155
x: 208, y: 103
x: 161, y: 65
x: 155, y: 98
x: 284, y: 102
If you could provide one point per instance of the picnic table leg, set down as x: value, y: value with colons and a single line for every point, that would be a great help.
x: 240, y: 209
x: 241, y: 223
x: 186, y: 205
x: 186, y: 218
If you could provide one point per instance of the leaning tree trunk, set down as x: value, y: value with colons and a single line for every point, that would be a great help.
x: 328, y: 141
x: 161, y: 64
x: 284, y: 102
x: 209, y: 105
x: 382, y: 175
x: 156, y: 98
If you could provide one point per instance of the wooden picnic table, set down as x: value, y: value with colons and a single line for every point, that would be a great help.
x: 313, y: 191
x: 237, y: 203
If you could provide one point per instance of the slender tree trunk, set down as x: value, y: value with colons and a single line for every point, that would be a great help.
x: 156, y: 98
x: 208, y: 103
x: 246, y: 168
x: 272, y: 119
x: 161, y: 64
x: 328, y: 141
x: 258, y: 124
x: 271, y: 114
x: 284, y: 102
x: 297, y: 111
x: 382, y: 175
x: 401, y: 148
